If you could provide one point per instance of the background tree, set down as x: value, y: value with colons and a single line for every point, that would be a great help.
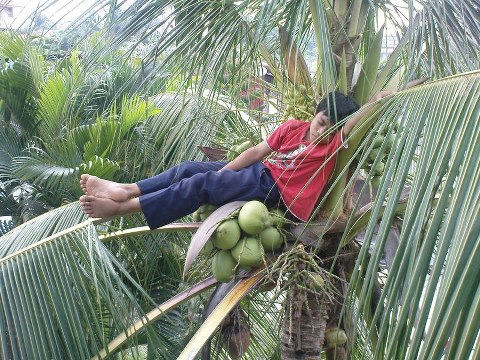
x: 211, y: 46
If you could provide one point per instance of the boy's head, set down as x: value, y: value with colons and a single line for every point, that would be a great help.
x: 332, y: 109
x: 337, y: 106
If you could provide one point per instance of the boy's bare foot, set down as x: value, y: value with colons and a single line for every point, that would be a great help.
x: 100, y: 207
x: 94, y: 186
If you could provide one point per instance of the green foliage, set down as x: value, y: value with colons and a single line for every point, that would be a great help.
x: 62, y: 119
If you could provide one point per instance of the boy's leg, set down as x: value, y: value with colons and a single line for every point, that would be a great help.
x: 218, y: 188
x: 102, y: 207
x: 95, y: 186
x: 177, y: 173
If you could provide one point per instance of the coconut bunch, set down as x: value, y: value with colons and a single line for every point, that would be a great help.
x: 298, y: 266
x: 241, y: 240
x: 376, y: 172
x: 299, y: 103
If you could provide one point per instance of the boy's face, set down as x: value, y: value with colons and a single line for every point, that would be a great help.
x: 319, y: 127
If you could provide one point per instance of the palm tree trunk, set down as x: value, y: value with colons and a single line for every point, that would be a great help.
x: 304, y: 325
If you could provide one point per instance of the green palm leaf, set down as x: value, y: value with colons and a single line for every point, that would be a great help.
x: 85, y: 304
x: 435, y: 157
x: 77, y: 290
x: 196, y: 119
x: 40, y: 228
x: 53, y: 102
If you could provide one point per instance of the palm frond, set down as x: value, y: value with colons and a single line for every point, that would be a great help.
x: 209, y: 326
x: 153, y: 315
x: 55, y: 96
x: 11, y: 145
x: 198, y: 119
x: 73, y: 316
x: 40, y: 228
x: 326, y: 72
x: 434, y: 154
x: 444, y: 40
x: 213, y: 48
x: 83, y: 268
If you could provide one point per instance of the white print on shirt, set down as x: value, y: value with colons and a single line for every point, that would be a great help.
x: 287, y: 160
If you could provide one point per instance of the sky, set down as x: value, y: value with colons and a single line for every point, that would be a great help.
x: 65, y: 11
x: 61, y: 12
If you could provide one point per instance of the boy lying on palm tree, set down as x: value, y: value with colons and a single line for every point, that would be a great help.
x: 292, y: 165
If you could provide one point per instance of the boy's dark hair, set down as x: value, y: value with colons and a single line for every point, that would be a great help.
x: 337, y: 106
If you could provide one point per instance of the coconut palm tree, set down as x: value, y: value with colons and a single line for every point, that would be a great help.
x: 396, y: 248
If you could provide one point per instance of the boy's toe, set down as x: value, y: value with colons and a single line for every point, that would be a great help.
x: 83, y: 182
x: 85, y: 200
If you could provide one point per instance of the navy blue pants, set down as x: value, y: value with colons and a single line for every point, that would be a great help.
x: 181, y: 190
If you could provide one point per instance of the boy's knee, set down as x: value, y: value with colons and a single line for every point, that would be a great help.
x: 188, y: 167
x: 186, y: 164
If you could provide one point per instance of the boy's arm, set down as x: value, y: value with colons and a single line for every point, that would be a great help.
x: 249, y: 156
x: 350, y: 124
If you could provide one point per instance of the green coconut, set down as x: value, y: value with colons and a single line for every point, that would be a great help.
x: 254, y: 217
x: 244, y: 146
x: 226, y: 235
x: 248, y: 252
x: 205, y: 210
x: 232, y: 153
x: 390, y: 141
x: 372, y: 155
x: 223, y: 266
x: 335, y: 337
x: 379, y: 168
x: 278, y: 218
x: 378, y: 141
x: 207, y: 248
x: 316, y: 281
x: 271, y: 238
x: 375, y: 181
x: 196, y: 216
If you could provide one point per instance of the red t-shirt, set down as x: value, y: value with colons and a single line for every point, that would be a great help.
x: 299, y: 167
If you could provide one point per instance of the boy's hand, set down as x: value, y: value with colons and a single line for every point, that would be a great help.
x: 350, y: 124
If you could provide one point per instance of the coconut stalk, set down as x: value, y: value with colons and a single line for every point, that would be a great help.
x: 342, y: 75
x: 150, y: 318
x: 209, y: 326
